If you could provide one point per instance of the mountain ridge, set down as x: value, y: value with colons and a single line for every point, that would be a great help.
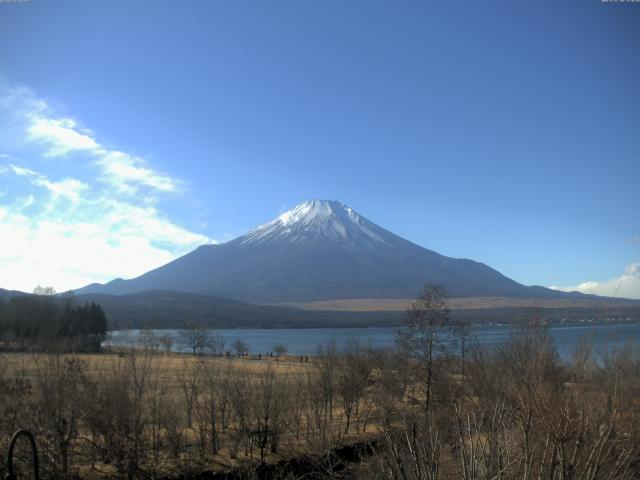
x: 321, y: 250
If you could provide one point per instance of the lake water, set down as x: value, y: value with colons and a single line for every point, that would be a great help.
x: 306, y: 341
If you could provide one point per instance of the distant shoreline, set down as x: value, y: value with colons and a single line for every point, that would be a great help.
x: 307, y: 341
x: 457, y: 303
x: 569, y: 324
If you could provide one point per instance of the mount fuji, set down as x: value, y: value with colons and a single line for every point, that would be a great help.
x: 321, y: 250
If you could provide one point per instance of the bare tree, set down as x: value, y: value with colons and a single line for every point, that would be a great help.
x: 118, y: 414
x: 167, y: 342
x: 240, y: 347
x: 211, y: 403
x: 279, y: 350
x: 323, y: 388
x: 156, y: 404
x: 45, y: 291
x: 353, y: 376
x: 60, y: 386
x: 423, y: 333
x: 189, y: 383
x: 195, y: 338
x: 148, y: 341
x: 269, y: 411
x: 217, y: 344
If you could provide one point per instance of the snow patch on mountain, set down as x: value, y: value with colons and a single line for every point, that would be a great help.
x: 319, y: 219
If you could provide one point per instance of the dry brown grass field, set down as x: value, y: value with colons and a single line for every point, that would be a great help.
x: 517, y: 411
x: 171, y: 365
x: 178, y: 412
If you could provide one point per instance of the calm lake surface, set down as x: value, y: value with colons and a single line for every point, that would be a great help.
x: 306, y: 341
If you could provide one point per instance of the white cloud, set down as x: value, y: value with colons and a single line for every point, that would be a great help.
x: 95, y: 238
x: 633, y: 270
x: 26, y: 119
x: 125, y: 172
x: 625, y: 286
x: 98, y: 222
x: 67, y: 187
x: 61, y: 136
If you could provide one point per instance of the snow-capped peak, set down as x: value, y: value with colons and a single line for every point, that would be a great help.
x: 307, y: 211
x: 316, y: 219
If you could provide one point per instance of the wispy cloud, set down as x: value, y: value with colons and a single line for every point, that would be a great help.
x: 29, y: 120
x: 626, y: 285
x: 98, y: 221
x: 635, y: 240
x: 71, y: 188
x: 126, y: 172
x: 60, y: 135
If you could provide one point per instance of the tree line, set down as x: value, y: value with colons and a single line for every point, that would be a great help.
x: 45, y: 321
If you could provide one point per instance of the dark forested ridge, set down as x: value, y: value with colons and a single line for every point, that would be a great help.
x: 40, y: 322
x: 161, y: 309
x: 170, y: 309
x: 9, y: 294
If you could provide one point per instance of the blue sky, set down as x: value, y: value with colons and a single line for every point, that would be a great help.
x: 506, y: 132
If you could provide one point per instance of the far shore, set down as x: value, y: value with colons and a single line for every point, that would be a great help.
x: 458, y: 303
